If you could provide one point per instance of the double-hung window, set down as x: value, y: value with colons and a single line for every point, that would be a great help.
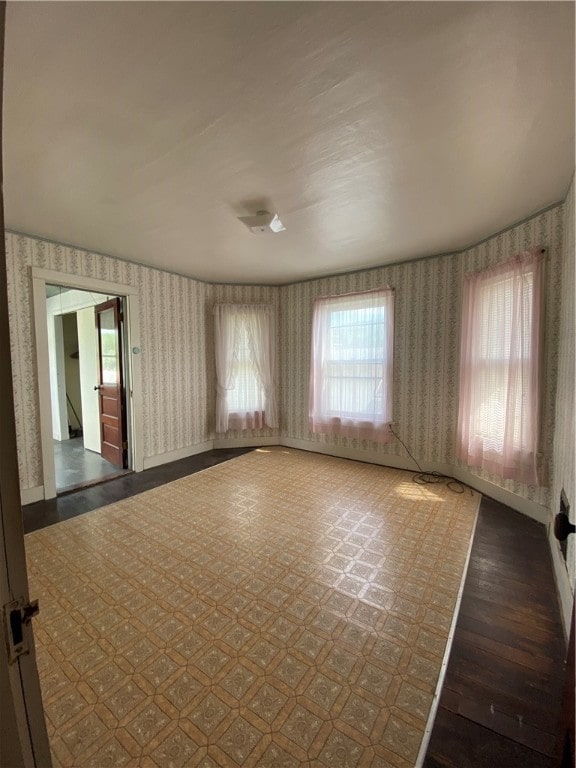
x: 245, y: 366
x: 351, y: 365
x: 498, y: 421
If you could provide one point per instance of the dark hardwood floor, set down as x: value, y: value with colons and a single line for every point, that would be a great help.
x: 500, y: 702
x: 44, y: 513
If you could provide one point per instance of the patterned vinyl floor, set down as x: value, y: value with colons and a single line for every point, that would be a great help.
x: 281, y: 609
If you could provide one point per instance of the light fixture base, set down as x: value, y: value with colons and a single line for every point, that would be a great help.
x: 264, y: 223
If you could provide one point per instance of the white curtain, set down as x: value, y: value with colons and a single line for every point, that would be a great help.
x: 260, y: 326
x: 245, y: 367
x: 351, y: 365
x: 499, y: 408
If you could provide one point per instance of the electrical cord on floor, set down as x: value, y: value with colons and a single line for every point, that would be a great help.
x: 431, y: 478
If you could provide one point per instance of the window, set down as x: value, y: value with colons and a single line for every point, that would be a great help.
x: 247, y: 395
x: 245, y: 367
x: 498, y: 422
x: 351, y: 365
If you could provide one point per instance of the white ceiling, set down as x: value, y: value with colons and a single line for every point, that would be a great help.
x: 379, y: 131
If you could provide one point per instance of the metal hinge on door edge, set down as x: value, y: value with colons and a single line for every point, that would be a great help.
x: 17, y: 615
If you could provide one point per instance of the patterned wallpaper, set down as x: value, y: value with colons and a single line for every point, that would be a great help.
x: 177, y: 346
x: 173, y: 339
x: 174, y: 358
x: 426, y: 358
x: 563, y: 457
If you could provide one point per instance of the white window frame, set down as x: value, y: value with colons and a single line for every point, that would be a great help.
x: 371, y: 422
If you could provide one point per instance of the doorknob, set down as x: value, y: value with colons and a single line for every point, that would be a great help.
x: 563, y: 527
x: 98, y: 386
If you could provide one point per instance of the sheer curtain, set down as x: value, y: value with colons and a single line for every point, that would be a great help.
x: 498, y: 421
x: 351, y: 365
x: 245, y: 366
x: 260, y: 328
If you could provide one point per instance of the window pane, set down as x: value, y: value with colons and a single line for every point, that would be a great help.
x: 247, y: 395
x: 354, y: 366
x: 498, y: 420
x: 109, y: 369
x: 501, y: 310
x: 108, y: 335
x: 352, y: 360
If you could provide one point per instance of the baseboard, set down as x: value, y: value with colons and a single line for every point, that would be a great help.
x: 512, y: 500
x: 563, y: 587
x: 524, y: 506
x: 397, y: 462
x: 31, y: 495
x: 244, y: 442
x: 180, y: 453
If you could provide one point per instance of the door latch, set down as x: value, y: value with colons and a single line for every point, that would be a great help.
x: 17, y: 615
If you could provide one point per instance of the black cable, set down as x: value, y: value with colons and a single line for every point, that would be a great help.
x: 430, y: 478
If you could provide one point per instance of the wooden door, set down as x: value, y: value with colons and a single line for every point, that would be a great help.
x: 24, y: 738
x: 110, y: 384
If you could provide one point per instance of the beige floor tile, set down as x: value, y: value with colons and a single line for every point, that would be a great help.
x: 282, y: 609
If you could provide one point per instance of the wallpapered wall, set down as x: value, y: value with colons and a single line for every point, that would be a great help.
x: 427, y: 338
x: 564, y: 459
x: 178, y: 371
x: 176, y: 330
x: 173, y: 339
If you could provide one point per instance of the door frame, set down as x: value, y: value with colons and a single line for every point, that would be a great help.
x: 133, y: 372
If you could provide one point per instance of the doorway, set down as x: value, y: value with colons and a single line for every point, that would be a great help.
x: 118, y: 422
x: 86, y: 343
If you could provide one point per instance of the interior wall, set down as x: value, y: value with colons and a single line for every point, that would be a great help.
x: 563, y: 449
x: 426, y: 356
x: 177, y: 348
x: 174, y: 381
x: 173, y: 338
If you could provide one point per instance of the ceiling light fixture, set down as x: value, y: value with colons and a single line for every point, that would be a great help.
x: 264, y: 223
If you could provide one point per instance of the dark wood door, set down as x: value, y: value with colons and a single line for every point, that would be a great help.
x: 110, y: 383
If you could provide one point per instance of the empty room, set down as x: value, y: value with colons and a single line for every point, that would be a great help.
x: 287, y: 468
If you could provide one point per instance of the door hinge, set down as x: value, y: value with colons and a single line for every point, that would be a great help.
x: 125, y: 445
x: 17, y: 615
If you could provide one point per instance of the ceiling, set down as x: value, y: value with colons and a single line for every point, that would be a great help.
x: 378, y: 131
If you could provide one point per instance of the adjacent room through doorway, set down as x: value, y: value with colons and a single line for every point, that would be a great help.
x: 87, y: 391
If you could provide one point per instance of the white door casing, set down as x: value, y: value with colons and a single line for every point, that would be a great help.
x: 41, y: 277
x: 57, y: 377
